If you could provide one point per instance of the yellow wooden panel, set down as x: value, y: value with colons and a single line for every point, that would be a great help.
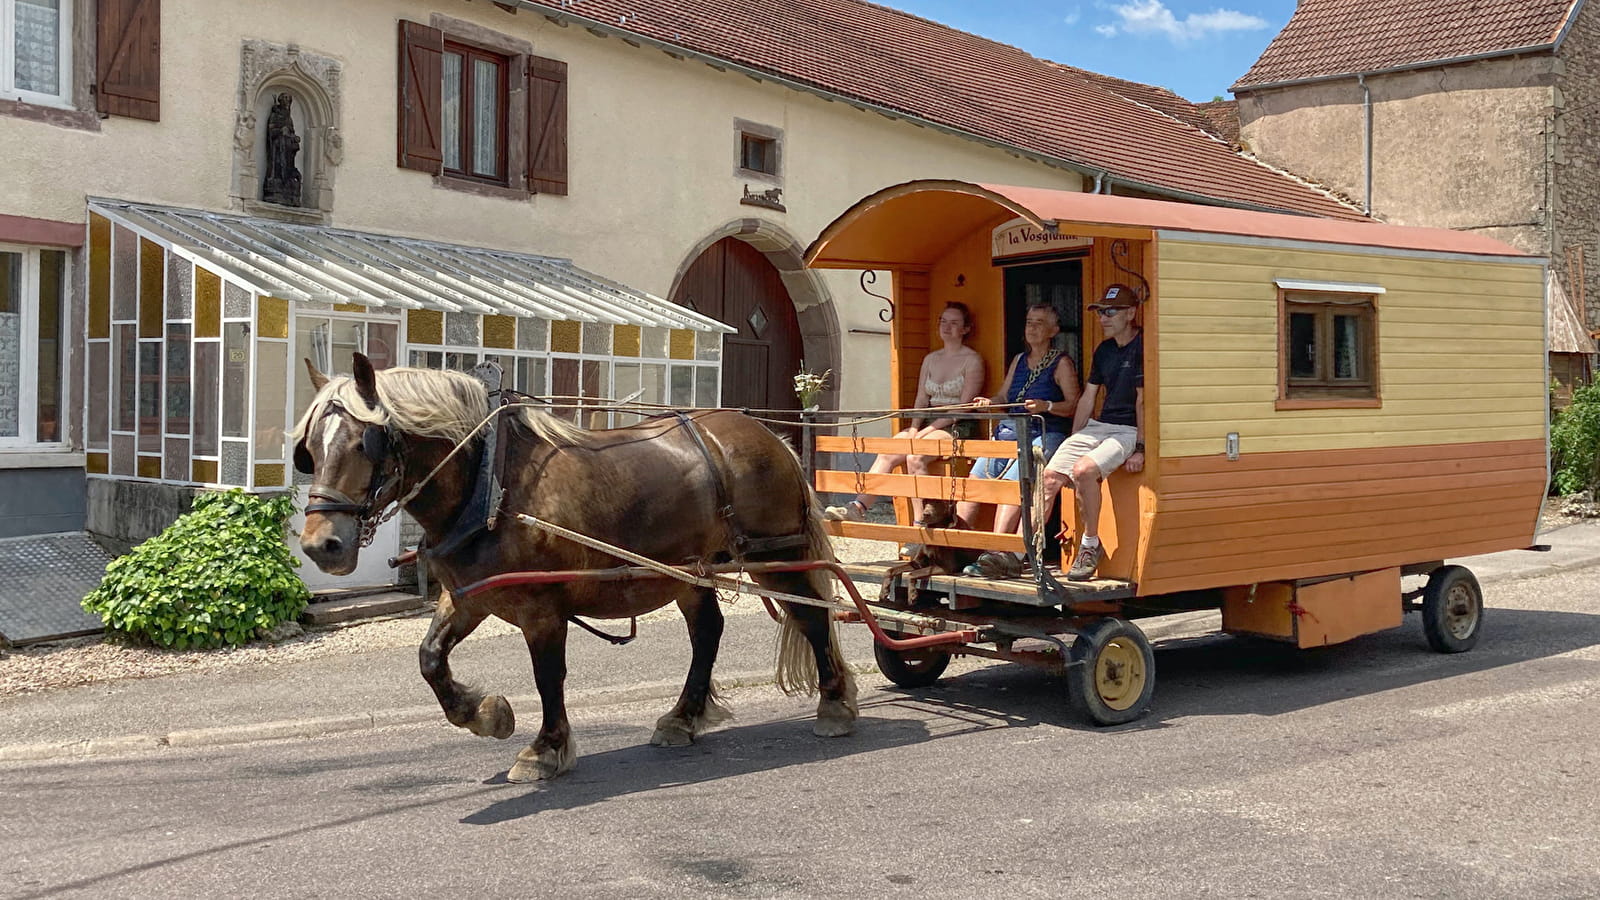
x: 625, y: 340
x: 567, y: 337
x: 1460, y: 350
x: 149, y: 467
x: 207, y: 303
x: 500, y: 332
x: 152, y: 267
x: 203, y: 471
x: 272, y: 317
x: 424, y: 326
x: 269, y: 475
x: 681, y: 344
x: 97, y: 463
x: 349, y: 307
x: 99, y: 276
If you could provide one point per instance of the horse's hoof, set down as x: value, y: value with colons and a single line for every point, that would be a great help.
x: 833, y: 727
x: 671, y: 732
x: 835, y: 718
x: 542, y: 765
x: 494, y: 719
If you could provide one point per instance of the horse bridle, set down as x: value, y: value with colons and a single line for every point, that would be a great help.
x: 379, y: 445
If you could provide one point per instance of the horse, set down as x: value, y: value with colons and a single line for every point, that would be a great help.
x: 700, y: 487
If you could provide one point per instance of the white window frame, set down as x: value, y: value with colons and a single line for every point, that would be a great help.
x: 8, y: 50
x: 28, y: 345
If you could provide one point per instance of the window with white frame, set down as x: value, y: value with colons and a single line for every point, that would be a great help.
x: 36, y: 51
x: 32, y: 294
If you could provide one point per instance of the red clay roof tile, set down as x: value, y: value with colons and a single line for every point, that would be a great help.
x: 1343, y: 37
x: 1141, y: 135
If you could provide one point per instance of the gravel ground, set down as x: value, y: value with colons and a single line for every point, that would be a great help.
x: 61, y: 664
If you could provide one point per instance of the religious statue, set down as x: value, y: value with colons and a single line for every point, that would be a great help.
x: 282, y: 184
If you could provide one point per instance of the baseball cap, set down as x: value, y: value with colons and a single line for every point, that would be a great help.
x: 1117, y: 296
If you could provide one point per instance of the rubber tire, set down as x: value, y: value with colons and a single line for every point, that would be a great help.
x: 910, y: 668
x: 1086, y: 654
x: 1436, y: 599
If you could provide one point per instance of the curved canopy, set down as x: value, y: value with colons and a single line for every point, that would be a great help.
x: 911, y: 225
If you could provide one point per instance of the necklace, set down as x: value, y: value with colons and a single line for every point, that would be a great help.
x: 1035, y: 371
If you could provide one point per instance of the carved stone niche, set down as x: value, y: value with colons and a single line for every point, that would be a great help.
x: 312, y: 82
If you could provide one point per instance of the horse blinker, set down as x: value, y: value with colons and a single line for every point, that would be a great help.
x: 375, y: 443
x: 302, y: 459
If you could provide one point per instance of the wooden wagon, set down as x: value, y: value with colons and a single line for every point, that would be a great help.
x: 1329, y: 406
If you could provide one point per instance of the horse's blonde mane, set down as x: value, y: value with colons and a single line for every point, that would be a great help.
x: 429, y: 403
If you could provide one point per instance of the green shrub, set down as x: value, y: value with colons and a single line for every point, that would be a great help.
x: 214, y: 577
x: 1575, y: 441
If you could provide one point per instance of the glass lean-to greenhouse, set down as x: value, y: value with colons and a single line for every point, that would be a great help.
x: 197, y: 322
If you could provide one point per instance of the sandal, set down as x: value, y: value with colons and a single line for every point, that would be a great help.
x: 850, y: 512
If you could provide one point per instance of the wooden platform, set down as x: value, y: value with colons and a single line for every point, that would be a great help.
x: 1021, y: 591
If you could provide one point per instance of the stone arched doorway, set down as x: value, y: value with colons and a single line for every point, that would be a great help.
x: 734, y: 282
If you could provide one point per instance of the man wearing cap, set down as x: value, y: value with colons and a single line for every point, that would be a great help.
x: 1099, y: 445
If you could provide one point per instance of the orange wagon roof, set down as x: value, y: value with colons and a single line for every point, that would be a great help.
x: 889, y: 229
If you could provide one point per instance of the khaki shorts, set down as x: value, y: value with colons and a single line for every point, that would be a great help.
x: 1108, y: 445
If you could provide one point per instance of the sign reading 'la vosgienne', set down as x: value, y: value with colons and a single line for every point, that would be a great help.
x: 1019, y: 237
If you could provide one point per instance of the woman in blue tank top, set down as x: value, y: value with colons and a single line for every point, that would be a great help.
x: 1045, y: 382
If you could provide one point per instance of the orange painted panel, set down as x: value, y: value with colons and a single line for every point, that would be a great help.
x: 1335, y: 611
x: 1285, y: 516
x: 1260, y: 609
x: 943, y: 537
x: 939, y: 487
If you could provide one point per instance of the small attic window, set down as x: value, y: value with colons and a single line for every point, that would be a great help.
x: 758, y: 154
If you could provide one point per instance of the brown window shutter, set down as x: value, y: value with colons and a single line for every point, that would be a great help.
x: 128, y: 58
x: 547, y: 126
x: 420, y: 96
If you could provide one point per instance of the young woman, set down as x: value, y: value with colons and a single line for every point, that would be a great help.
x: 950, y: 376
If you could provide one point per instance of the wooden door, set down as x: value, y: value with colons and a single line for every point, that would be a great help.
x: 734, y: 283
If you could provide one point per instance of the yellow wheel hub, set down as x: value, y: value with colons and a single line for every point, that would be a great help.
x: 1119, y: 673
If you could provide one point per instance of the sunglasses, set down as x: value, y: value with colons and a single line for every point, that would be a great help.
x: 1106, y: 312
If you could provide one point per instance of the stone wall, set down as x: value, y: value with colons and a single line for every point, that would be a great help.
x: 1454, y: 147
x: 1575, y: 250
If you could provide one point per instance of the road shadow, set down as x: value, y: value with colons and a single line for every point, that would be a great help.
x: 1223, y: 675
x: 741, y: 750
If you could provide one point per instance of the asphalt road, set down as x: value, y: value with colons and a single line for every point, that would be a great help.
x: 1372, y: 769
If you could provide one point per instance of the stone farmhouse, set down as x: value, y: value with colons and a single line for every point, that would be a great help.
x: 1478, y: 115
x: 607, y: 198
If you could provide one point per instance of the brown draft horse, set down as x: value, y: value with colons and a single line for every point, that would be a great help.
x: 647, y: 488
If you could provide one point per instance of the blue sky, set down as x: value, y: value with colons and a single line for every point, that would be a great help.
x: 1192, y: 47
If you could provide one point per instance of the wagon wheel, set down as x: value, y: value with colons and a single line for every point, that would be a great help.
x: 1113, y: 675
x: 911, y: 668
x: 1452, y: 610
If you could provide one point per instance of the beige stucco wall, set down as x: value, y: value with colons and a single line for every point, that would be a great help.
x: 652, y: 149
x: 1454, y: 147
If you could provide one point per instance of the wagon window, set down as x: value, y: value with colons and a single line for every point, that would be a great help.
x: 1329, y: 348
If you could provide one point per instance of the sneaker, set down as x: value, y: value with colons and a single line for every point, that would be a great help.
x: 1088, y: 560
x: 998, y: 564
x: 850, y: 512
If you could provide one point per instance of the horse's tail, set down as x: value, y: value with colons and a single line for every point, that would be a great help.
x: 797, y: 664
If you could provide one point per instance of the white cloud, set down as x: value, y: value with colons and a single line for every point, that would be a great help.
x: 1071, y: 18
x: 1153, y: 17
